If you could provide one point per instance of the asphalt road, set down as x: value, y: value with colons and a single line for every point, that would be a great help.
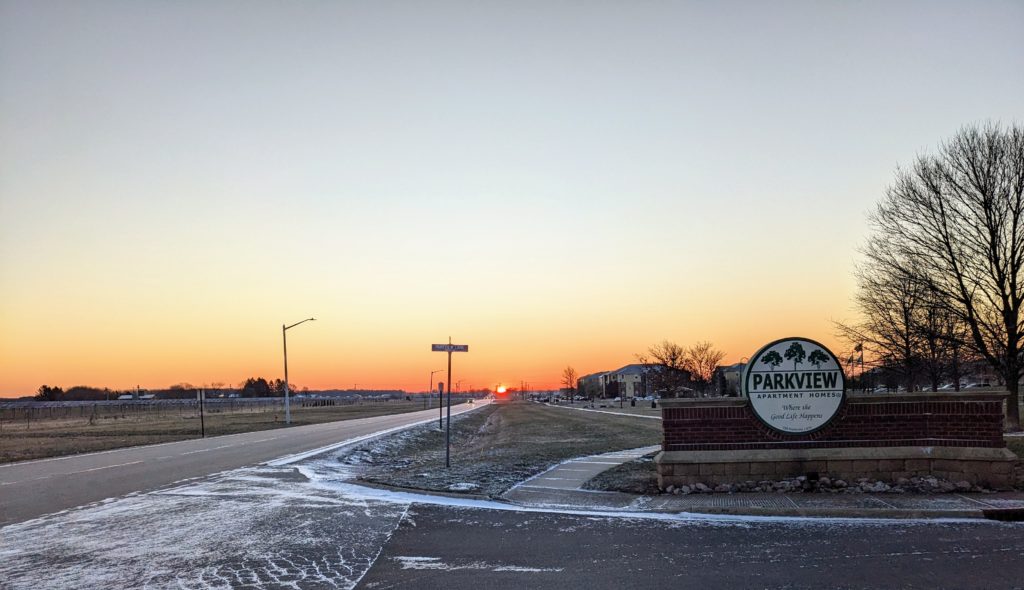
x: 453, y: 548
x: 34, y: 488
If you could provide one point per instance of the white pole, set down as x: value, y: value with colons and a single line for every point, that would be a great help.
x: 287, y: 407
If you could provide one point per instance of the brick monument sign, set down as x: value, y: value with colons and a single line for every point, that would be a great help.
x: 795, y: 418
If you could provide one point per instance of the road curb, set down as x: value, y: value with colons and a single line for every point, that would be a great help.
x: 886, y: 514
x: 823, y: 513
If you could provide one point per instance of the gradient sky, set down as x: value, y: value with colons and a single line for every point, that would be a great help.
x: 552, y: 183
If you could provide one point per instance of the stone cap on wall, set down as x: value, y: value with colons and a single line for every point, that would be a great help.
x: 838, y: 454
x: 861, y: 398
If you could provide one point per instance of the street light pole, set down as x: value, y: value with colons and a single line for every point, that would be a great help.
x: 430, y: 390
x: 284, y: 338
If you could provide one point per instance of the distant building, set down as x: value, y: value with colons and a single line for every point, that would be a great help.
x: 592, y: 385
x: 629, y: 381
x: 727, y: 379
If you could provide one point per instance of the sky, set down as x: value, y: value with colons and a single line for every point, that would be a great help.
x: 552, y: 183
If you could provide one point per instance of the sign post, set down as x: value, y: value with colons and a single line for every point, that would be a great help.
x: 201, y: 397
x: 440, y: 405
x: 449, y: 348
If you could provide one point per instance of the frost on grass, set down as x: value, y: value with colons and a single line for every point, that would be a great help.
x: 462, y: 486
x: 492, y: 449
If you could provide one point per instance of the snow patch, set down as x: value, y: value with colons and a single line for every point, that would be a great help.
x: 434, y: 563
x: 462, y: 487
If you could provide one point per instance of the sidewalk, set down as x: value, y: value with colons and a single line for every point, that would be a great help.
x: 641, y: 410
x: 560, y: 487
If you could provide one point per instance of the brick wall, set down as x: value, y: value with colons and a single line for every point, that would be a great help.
x: 947, y: 420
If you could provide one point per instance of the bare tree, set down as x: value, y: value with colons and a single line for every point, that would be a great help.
x: 906, y: 330
x: 701, y: 360
x: 942, y: 343
x: 889, y: 302
x: 668, y: 371
x: 955, y: 222
x: 569, y: 382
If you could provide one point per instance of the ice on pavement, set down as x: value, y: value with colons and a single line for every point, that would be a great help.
x: 435, y: 563
x: 259, y: 528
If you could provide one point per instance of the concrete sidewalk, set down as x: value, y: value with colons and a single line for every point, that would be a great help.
x: 561, y: 485
x: 571, y: 475
x: 641, y: 410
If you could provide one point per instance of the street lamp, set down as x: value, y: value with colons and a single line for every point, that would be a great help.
x: 430, y: 390
x: 284, y: 338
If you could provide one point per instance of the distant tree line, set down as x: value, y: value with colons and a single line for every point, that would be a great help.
x: 251, y: 387
x: 260, y: 387
x: 76, y: 393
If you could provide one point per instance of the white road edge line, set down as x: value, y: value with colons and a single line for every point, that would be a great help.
x: 98, y: 468
x: 289, y: 459
x: 52, y: 475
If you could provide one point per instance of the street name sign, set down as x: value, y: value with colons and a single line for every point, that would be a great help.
x: 795, y: 385
x: 449, y: 348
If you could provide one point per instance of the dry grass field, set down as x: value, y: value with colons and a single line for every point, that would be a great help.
x: 23, y: 440
x: 497, y: 447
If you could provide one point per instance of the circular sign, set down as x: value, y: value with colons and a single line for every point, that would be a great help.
x: 794, y: 385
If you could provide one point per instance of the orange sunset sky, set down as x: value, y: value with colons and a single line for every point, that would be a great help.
x: 552, y: 184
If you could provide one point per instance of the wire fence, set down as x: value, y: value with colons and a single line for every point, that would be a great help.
x: 26, y: 414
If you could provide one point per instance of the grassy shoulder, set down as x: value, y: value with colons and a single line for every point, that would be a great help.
x: 498, y: 446
x: 632, y: 477
x: 1016, y: 444
x: 44, y: 439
